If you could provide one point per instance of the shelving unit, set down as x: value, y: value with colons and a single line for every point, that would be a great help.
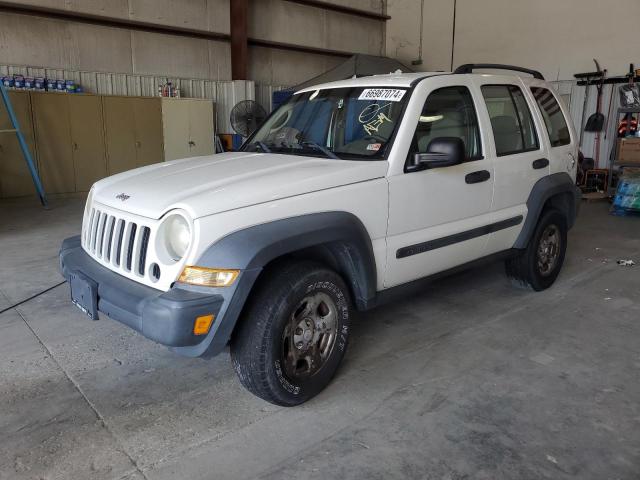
x: 612, y: 161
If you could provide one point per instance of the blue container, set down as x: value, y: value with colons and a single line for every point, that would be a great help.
x: 18, y: 81
x: 39, y: 83
x: 28, y: 83
x: 51, y: 84
x: 60, y: 85
x: 7, y: 82
x: 79, y: 89
x: 70, y: 86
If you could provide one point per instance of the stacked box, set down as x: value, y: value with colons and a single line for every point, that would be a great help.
x: 627, y: 199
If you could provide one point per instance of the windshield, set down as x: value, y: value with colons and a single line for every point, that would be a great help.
x: 344, y: 123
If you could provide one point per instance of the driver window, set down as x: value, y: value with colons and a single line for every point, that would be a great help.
x: 449, y: 112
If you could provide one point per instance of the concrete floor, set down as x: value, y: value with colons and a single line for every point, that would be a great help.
x: 472, y: 379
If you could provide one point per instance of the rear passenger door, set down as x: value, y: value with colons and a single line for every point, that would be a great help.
x: 519, y: 154
x: 562, y: 146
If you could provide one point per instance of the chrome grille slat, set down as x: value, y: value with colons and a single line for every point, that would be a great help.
x: 130, y: 242
x: 94, y: 231
x: 144, y: 244
x: 100, y: 235
x: 87, y: 232
x: 118, y: 245
x: 108, y: 238
x: 137, y: 247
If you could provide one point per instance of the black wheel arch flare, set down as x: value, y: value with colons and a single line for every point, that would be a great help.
x: 337, y: 235
x: 557, y: 190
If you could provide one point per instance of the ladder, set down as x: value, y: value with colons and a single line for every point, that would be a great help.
x: 23, y: 145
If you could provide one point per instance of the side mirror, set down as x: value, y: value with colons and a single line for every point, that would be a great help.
x: 441, y: 152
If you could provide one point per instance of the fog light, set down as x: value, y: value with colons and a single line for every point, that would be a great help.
x: 202, y: 324
x: 208, y: 277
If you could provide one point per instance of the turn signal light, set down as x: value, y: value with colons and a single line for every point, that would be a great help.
x: 208, y: 277
x: 202, y: 324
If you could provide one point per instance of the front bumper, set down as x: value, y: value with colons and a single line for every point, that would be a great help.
x: 166, y: 317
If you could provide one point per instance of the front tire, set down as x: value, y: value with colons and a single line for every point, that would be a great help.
x: 538, y: 266
x: 293, y: 334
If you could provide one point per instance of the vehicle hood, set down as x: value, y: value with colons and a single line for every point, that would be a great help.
x: 217, y: 183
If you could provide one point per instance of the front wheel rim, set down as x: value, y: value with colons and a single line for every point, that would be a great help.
x: 548, y: 250
x: 309, y: 336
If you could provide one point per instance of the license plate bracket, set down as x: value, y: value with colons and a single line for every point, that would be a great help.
x: 84, y: 294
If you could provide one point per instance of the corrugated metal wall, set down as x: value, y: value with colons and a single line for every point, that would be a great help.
x: 224, y: 93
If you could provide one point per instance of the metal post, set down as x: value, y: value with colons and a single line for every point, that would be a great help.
x: 239, y: 12
x: 23, y: 146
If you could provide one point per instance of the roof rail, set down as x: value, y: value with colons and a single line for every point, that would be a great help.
x: 470, y: 67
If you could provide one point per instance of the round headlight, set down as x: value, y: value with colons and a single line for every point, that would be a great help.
x: 178, y: 236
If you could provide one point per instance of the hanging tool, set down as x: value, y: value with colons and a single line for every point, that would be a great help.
x: 595, y: 122
x: 23, y: 145
x: 588, y: 77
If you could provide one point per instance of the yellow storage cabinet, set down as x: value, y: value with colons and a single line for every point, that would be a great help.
x: 70, y: 141
x: 141, y: 131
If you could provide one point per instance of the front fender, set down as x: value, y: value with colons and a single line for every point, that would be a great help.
x: 342, y: 234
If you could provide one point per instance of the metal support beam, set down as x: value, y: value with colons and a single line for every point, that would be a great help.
x: 336, y: 7
x: 239, y: 20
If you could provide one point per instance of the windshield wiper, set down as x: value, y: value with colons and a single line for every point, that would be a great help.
x: 324, y: 150
x: 262, y: 145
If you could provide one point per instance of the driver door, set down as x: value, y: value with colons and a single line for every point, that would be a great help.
x: 439, y: 217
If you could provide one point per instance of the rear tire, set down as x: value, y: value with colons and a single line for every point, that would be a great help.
x: 293, y: 334
x: 538, y: 266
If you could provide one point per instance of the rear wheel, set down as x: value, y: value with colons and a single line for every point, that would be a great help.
x: 538, y: 266
x: 293, y: 334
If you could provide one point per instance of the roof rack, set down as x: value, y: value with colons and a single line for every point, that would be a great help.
x: 470, y: 67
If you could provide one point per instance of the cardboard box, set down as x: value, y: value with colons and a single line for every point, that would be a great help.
x: 628, y: 151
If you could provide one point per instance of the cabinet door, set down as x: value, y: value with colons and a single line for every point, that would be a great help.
x: 201, y: 127
x: 119, y: 127
x: 148, y: 121
x: 15, y: 179
x: 87, y: 140
x: 53, y: 138
x: 175, y: 124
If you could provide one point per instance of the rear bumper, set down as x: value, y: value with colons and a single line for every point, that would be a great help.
x: 165, y: 317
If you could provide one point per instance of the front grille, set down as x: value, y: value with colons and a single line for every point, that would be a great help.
x: 117, y: 241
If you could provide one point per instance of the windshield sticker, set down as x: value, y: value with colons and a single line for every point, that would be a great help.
x: 374, y: 146
x: 391, y: 94
x: 373, y: 116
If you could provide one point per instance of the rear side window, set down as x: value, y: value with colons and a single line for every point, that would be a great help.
x: 511, y: 120
x: 553, y: 117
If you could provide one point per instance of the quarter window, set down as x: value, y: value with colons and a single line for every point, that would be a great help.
x: 553, y: 117
x: 511, y: 120
x: 449, y: 112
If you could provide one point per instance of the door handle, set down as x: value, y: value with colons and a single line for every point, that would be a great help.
x: 540, y: 163
x: 477, y: 177
x: 192, y: 143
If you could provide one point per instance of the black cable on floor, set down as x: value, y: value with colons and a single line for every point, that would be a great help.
x: 32, y: 297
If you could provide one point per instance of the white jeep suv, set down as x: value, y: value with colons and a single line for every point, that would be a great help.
x: 349, y: 192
